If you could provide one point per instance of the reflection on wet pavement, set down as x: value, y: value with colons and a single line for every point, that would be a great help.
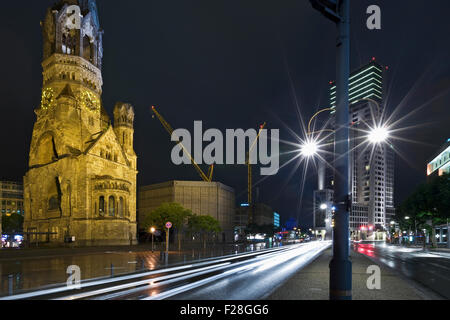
x: 428, y: 268
x: 33, y: 273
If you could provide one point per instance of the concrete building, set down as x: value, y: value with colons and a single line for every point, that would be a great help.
x: 202, y: 198
x: 81, y: 183
x: 262, y: 215
x: 11, y: 199
x: 371, y: 167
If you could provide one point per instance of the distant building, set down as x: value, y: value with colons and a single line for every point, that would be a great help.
x: 276, y: 220
x: 262, y: 215
x: 440, y: 163
x: 323, y: 211
x: 371, y: 168
x: 202, y: 198
x: 11, y: 199
x: 438, y: 166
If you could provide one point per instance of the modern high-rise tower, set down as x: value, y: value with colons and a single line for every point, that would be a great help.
x: 371, y: 166
x: 81, y: 183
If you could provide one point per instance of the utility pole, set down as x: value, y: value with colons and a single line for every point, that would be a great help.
x: 338, y: 11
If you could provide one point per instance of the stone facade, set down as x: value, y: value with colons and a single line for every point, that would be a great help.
x: 82, y: 173
x: 202, y: 198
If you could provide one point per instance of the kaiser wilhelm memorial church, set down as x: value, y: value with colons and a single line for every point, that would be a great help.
x: 81, y: 183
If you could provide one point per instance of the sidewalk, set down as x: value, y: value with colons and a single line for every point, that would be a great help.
x: 312, y: 283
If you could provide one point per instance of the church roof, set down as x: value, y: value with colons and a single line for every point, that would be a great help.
x: 94, y: 142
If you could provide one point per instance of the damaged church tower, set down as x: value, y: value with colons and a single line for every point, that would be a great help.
x: 81, y: 183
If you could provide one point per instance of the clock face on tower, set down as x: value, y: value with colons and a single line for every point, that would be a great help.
x: 48, y: 98
x: 88, y: 101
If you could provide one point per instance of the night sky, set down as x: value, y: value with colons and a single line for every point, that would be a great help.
x: 227, y: 63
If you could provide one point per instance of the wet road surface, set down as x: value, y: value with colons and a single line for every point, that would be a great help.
x: 245, y: 276
x: 430, y: 269
x: 34, y: 272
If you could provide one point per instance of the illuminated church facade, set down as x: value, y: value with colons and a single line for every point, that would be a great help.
x: 81, y: 183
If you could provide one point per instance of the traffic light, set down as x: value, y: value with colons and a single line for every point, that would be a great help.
x: 329, y: 8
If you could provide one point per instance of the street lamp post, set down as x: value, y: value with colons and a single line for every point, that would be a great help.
x: 340, y: 265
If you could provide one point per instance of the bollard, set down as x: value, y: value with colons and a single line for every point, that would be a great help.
x: 10, y: 284
x: 112, y: 270
x: 184, y: 259
x: 143, y: 265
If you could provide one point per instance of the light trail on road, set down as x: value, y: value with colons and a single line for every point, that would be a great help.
x: 188, y: 279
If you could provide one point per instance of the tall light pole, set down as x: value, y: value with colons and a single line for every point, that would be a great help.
x: 340, y: 265
x: 152, y: 230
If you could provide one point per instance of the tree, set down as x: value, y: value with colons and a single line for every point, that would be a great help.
x: 427, y: 206
x: 204, y: 226
x: 168, y: 212
x: 13, y: 223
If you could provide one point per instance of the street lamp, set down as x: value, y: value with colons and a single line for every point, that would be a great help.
x: 152, y: 230
x: 378, y: 135
x: 340, y: 265
x: 309, y: 148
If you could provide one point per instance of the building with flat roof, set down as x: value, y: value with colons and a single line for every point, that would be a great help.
x: 440, y: 163
x: 366, y: 82
x: 11, y: 199
x: 202, y: 198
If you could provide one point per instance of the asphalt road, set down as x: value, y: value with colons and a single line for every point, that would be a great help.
x: 247, y: 276
x: 431, y: 269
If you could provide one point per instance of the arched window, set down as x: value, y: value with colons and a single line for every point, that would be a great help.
x: 112, y: 206
x: 121, y: 207
x: 101, y: 206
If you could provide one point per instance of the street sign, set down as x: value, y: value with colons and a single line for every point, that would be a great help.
x: 169, y: 225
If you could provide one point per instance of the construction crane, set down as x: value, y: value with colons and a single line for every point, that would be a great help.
x: 250, y: 174
x: 169, y: 129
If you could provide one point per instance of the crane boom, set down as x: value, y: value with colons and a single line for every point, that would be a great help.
x: 250, y: 174
x: 170, y: 130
